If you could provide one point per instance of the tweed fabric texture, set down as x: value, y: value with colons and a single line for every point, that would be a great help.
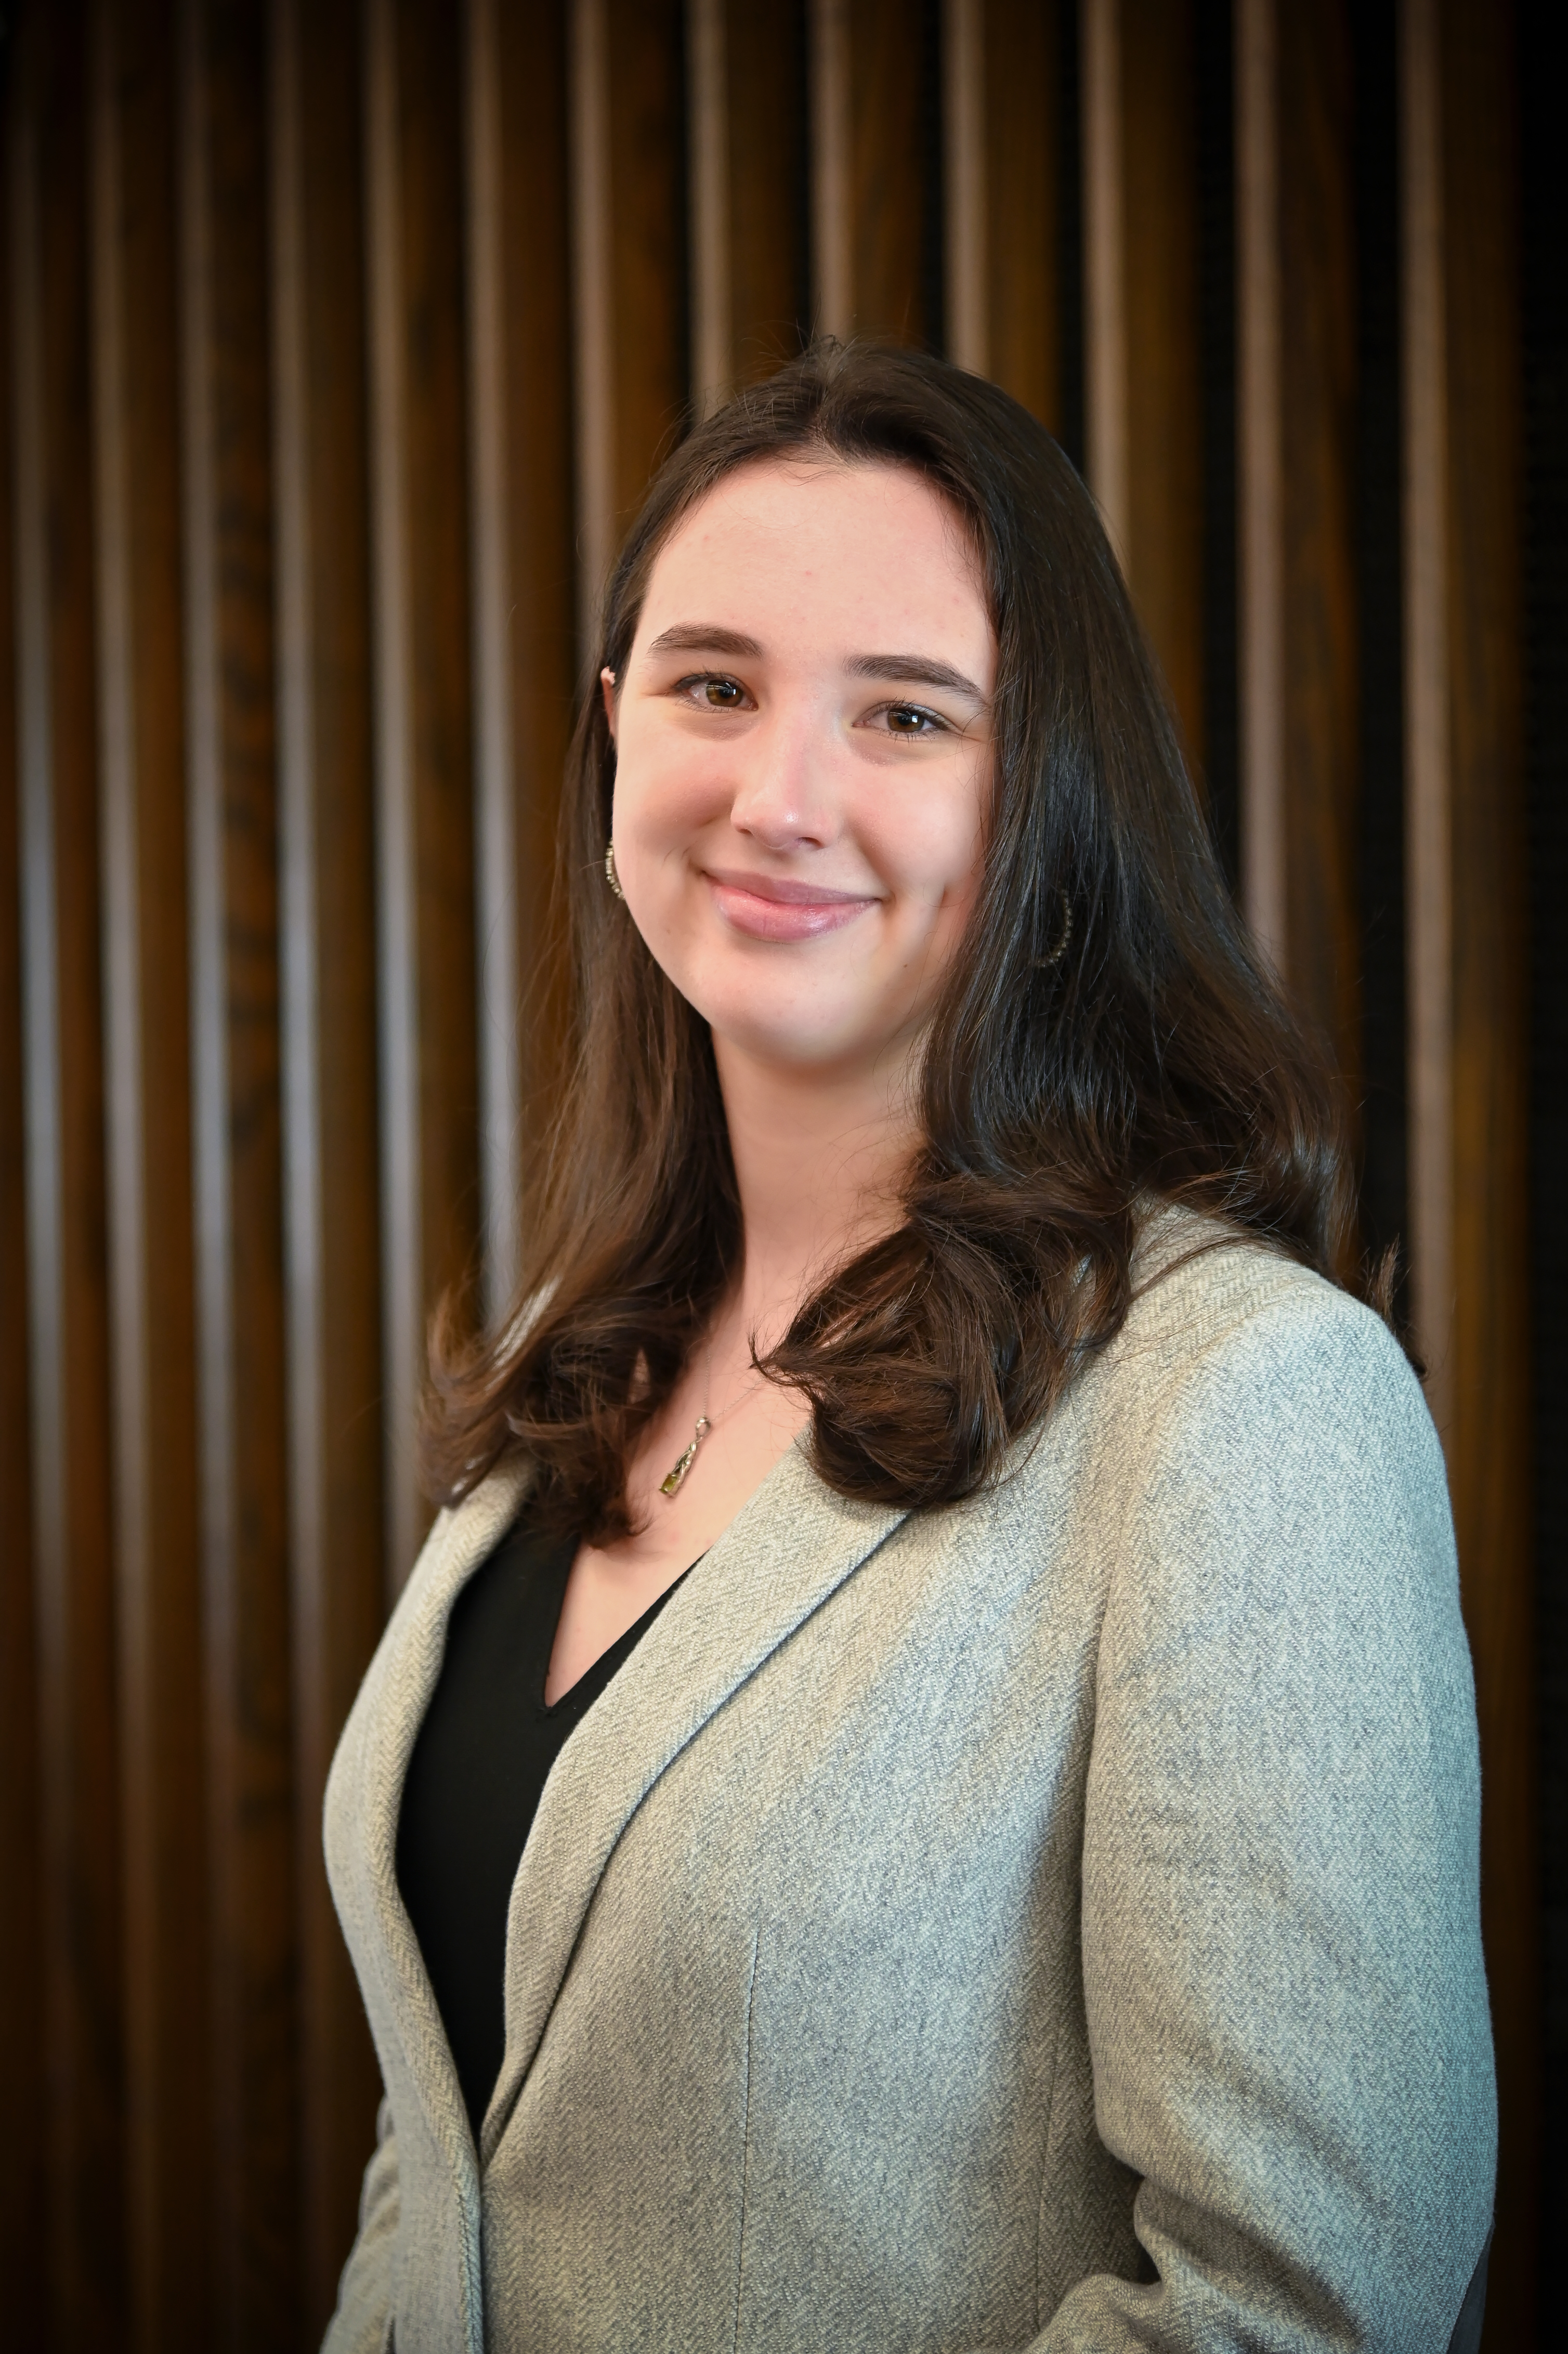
x: 1050, y: 1923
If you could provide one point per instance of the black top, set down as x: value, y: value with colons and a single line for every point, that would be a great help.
x: 479, y: 1767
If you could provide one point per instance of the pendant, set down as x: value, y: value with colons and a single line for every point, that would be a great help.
x: 677, y: 1471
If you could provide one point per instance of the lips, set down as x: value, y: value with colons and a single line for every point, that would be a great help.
x: 773, y: 907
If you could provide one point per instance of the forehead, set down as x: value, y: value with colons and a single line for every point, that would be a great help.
x: 824, y: 546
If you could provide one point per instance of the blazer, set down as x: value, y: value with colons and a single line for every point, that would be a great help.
x: 1046, y: 1921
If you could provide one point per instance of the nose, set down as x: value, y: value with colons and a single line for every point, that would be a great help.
x: 784, y: 796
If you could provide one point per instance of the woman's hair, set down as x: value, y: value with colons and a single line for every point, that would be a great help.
x: 1107, y: 1034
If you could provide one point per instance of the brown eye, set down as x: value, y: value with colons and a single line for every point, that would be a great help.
x: 903, y: 720
x: 723, y: 694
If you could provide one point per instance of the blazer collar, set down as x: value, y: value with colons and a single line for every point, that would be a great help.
x: 787, y: 1550
x: 383, y: 1728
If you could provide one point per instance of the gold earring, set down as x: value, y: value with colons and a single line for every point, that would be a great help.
x: 610, y: 876
x: 1044, y: 964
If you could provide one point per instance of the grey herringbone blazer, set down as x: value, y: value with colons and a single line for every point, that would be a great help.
x: 1049, y: 1922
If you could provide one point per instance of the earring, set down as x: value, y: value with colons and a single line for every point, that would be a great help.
x: 610, y: 876
x: 1044, y: 964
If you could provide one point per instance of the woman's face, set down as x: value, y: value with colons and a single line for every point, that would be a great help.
x: 803, y: 759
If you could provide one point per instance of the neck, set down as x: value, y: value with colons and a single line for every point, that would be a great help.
x: 818, y: 1162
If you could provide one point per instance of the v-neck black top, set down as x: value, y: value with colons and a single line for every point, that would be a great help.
x: 478, y: 1771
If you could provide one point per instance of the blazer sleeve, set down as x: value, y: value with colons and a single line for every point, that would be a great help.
x: 363, y: 2321
x: 1281, y: 1945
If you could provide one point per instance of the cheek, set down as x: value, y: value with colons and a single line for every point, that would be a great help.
x: 929, y: 844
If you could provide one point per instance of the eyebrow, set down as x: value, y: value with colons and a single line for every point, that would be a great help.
x: 916, y: 670
x: 705, y: 638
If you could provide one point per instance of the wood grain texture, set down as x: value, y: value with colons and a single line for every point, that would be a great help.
x: 769, y: 297
x: 889, y: 169
x: 647, y: 261
x: 231, y: 763
x: 1466, y: 921
x: 425, y: 819
x: 1297, y: 297
x: 81, y: 2030
x: 1318, y: 442
x: 1022, y: 117
x: 23, y: 2189
x: 1144, y: 422
x: 157, y: 1538
x: 331, y: 1231
x: 524, y: 583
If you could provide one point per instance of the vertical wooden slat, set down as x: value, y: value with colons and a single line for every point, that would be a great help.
x: 332, y: 1238
x: 1297, y: 306
x: 424, y: 783
x: 708, y: 144
x: 1022, y: 117
x: 593, y: 310
x: 870, y: 169
x: 648, y: 252
x: 239, y: 1260
x: 22, y: 2171
x: 964, y: 126
x: 1144, y: 421
x: 1261, y: 458
x: 1466, y: 911
x: 764, y: 102
x: 1107, y: 424
x: 629, y: 265
x: 148, y: 1111
x: 83, y: 2257
x: 524, y: 586
x: 832, y: 143
x: 746, y: 144
x: 1000, y: 178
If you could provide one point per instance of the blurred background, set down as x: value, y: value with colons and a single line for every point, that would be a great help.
x: 340, y: 337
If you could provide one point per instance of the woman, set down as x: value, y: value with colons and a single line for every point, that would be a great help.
x: 923, y: 1792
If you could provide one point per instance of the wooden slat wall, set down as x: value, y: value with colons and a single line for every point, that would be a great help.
x: 339, y: 341
x: 327, y: 907
x: 1298, y: 623
x: 1467, y: 899
x: 142, y: 769
x: 1141, y: 357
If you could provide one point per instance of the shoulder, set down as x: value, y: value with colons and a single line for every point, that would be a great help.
x: 1223, y: 1321
x: 1282, y: 1470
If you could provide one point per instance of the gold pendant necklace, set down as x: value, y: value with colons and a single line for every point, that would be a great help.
x: 677, y: 1471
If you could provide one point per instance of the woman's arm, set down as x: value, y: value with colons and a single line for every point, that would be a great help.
x: 1286, y: 1997
x: 363, y: 2321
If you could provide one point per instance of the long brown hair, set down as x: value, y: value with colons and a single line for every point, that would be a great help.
x: 1107, y: 1034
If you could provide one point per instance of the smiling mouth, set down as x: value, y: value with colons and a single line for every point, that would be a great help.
x: 773, y: 907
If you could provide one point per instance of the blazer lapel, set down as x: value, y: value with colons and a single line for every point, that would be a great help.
x: 386, y: 1726
x: 790, y: 1545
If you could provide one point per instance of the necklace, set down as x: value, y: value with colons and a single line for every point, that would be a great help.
x: 669, y: 1484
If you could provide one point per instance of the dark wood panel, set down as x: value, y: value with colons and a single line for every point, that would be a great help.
x: 423, y: 751
x: 148, y: 1109
x: 525, y: 587
x: 1469, y: 90
x: 84, y: 2253
x: 647, y: 260
x: 22, y: 2175
x: 1143, y: 394
x: 1164, y: 431
x: 889, y: 163
x: 1297, y: 398
x: 1022, y: 42
x: 331, y: 1233
x: 766, y: 89
x: 227, y: 495
x: 1316, y: 508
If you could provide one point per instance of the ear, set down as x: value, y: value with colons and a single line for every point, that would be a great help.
x: 607, y: 688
